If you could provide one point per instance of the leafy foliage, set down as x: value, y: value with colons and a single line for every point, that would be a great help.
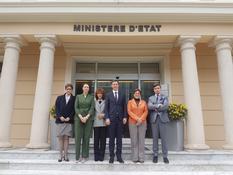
x: 177, y: 111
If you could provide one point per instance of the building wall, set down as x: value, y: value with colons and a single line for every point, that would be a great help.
x: 209, y: 89
x: 25, y: 90
x: 208, y: 78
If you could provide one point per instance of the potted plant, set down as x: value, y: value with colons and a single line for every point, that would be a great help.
x: 53, y: 137
x: 177, y: 114
x: 177, y: 111
x: 52, y: 112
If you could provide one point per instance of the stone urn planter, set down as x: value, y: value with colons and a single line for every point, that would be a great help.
x: 54, y: 144
x: 175, y: 135
x: 175, y: 128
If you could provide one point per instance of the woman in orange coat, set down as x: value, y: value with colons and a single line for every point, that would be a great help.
x: 138, y: 111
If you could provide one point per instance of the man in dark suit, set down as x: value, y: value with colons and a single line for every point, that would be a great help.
x: 116, y: 117
x: 158, y: 106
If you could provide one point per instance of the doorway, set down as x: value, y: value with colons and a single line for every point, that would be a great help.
x: 130, y: 76
x: 126, y: 86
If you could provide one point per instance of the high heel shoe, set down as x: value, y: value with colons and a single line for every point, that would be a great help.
x: 65, y: 158
x: 61, y: 158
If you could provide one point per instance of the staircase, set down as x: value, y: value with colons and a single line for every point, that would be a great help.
x: 22, y: 161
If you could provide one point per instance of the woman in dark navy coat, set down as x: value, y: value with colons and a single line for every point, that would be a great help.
x: 64, y: 118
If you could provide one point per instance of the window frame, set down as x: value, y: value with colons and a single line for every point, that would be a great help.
x: 1, y: 63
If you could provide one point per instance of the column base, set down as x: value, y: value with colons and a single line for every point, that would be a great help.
x: 5, y: 145
x: 38, y: 146
x: 228, y: 146
x: 196, y: 146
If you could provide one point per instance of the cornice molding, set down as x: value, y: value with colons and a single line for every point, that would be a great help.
x: 118, y: 3
x: 96, y: 10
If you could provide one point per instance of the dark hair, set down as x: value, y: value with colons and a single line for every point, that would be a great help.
x: 156, y: 84
x: 115, y: 81
x: 69, y: 85
x: 135, y: 90
x: 100, y: 91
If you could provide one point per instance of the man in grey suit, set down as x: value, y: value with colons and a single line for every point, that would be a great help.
x: 158, y: 106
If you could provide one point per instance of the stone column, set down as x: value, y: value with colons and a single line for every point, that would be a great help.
x: 7, y: 85
x: 40, y: 118
x: 225, y: 71
x: 195, y: 127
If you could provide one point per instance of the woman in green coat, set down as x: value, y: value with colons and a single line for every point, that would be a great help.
x: 84, y: 110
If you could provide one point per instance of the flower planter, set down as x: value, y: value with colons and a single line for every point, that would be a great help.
x: 54, y: 145
x: 175, y: 135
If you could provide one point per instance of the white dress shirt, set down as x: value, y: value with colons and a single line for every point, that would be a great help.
x: 67, y: 98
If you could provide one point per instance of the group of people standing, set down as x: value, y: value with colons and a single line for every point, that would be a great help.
x: 109, y: 113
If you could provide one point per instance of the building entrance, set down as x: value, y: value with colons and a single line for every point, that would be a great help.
x: 129, y: 80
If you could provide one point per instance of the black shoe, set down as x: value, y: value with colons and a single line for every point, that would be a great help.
x: 67, y: 160
x: 120, y: 160
x: 165, y: 160
x: 111, y: 160
x: 96, y: 158
x: 155, y: 159
x: 59, y: 160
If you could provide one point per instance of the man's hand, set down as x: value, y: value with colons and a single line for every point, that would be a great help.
x: 107, y: 121
x: 157, y: 107
x: 160, y: 105
x: 124, y: 121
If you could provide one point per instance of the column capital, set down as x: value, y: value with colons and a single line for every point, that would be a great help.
x: 47, y: 41
x: 13, y: 41
x: 222, y: 42
x: 188, y: 41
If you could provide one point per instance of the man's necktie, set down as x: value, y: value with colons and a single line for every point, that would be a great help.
x: 115, y: 95
x: 157, y: 98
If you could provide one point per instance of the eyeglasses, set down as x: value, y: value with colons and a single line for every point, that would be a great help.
x: 69, y: 89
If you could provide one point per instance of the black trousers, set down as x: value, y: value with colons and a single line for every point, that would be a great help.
x: 115, y: 132
x: 99, y: 142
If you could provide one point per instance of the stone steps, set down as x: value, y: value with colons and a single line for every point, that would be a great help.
x: 62, y: 172
x: 24, y: 153
x: 27, y: 161
x: 174, y: 166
